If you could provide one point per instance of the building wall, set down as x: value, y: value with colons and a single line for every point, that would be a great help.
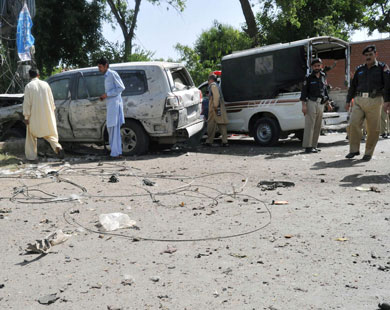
x: 336, y: 76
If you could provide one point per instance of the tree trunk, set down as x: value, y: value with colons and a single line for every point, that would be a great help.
x: 250, y: 21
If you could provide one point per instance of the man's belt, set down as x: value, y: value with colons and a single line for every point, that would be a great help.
x: 318, y: 99
x: 372, y: 94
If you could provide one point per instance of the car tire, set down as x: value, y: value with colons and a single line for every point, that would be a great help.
x: 266, y: 131
x: 135, y: 140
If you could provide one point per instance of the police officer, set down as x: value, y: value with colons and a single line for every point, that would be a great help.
x: 369, y: 87
x: 313, y: 96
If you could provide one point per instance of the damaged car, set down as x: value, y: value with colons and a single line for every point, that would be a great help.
x: 160, y: 102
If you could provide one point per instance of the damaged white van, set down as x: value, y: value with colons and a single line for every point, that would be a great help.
x: 160, y: 102
x: 261, y: 86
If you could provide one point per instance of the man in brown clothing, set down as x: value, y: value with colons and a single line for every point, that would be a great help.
x: 217, y: 113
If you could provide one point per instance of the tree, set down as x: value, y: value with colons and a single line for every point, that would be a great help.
x: 210, y: 47
x: 377, y: 16
x: 220, y: 40
x: 285, y: 20
x: 127, y: 18
x: 67, y: 32
x: 250, y: 19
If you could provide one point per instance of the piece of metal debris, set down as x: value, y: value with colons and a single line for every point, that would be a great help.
x: 48, y: 299
x: 272, y: 185
x: 44, y: 246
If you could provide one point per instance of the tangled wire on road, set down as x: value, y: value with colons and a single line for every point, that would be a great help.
x: 26, y: 194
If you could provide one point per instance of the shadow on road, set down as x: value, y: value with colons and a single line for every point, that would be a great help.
x: 359, y: 179
x: 341, y: 163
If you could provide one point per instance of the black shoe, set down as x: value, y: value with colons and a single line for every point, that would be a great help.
x: 61, y: 154
x: 317, y: 149
x: 366, y: 157
x: 207, y: 144
x: 311, y: 150
x: 352, y: 155
x: 384, y: 136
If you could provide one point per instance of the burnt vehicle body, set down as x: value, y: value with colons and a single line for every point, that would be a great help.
x: 160, y: 102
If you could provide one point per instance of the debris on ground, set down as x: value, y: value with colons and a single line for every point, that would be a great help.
x: 113, y: 221
x: 272, y: 185
x: 44, y: 246
x: 368, y: 189
x: 237, y: 255
x: 113, y: 179
x: 279, y: 202
x: 342, y: 239
x: 155, y: 278
x: 4, y: 211
x: 169, y: 250
x: 148, y: 182
x: 48, y: 299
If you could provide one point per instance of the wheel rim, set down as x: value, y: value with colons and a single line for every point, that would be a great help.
x: 129, y: 139
x: 264, y: 132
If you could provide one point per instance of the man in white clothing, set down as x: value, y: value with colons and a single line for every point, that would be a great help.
x: 39, y: 117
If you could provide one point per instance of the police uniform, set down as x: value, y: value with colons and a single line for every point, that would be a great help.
x: 369, y: 87
x: 315, y: 94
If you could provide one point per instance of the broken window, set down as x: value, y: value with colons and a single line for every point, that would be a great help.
x: 264, y: 65
x: 135, y: 82
x: 60, y: 89
x: 92, y: 85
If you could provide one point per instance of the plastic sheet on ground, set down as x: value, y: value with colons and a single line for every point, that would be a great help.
x: 114, y: 221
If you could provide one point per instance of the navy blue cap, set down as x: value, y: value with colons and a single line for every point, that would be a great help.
x: 369, y: 48
x: 316, y: 61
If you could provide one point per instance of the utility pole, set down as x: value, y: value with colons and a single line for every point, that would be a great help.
x: 14, y: 72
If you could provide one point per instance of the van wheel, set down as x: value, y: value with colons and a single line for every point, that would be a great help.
x: 266, y: 131
x: 135, y: 141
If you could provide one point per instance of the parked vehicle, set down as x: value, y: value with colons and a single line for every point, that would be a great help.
x: 261, y: 86
x: 161, y: 104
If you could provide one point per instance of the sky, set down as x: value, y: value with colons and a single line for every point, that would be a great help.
x: 159, y: 29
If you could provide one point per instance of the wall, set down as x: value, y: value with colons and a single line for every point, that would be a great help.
x: 336, y: 76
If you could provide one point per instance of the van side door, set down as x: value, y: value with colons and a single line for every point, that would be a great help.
x: 87, y: 111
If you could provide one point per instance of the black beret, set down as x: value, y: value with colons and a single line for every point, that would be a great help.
x: 369, y: 48
x: 316, y: 60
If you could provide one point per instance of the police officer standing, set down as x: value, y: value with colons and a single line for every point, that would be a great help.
x: 369, y: 86
x: 313, y: 96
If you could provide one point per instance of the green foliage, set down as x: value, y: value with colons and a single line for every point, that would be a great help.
x: 66, y: 31
x: 286, y: 21
x: 220, y: 40
x: 114, y: 52
x: 210, y: 47
x: 199, y: 71
x: 377, y: 15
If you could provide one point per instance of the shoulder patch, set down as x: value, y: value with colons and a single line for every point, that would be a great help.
x: 360, y: 66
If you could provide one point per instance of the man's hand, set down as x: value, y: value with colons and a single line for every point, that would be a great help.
x: 386, y: 107
x: 304, y: 108
x: 102, y: 97
x: 27, y: 122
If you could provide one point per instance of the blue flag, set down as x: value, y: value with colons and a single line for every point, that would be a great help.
x: 24, y: 38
